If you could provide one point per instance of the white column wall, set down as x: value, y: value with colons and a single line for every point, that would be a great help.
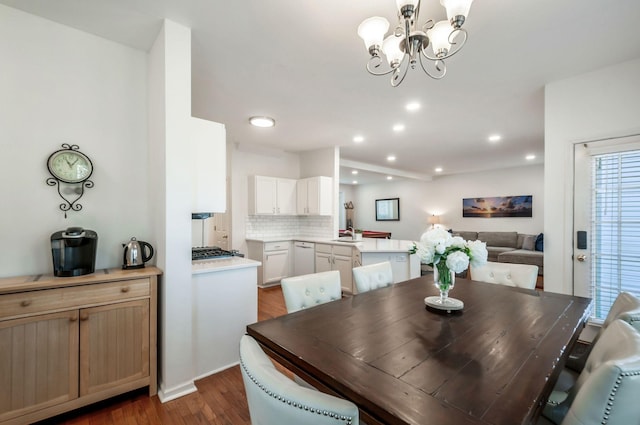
x: 169, y: 114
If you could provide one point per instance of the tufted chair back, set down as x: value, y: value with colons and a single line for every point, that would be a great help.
x: 275, y: 399
x: 509, y: 274
x: 626, y: 307
x: 308, y: 290
x: 373, y: 276
x: 608, y: 387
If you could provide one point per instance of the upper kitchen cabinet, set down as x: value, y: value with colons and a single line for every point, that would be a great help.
x: 315, y: 196
x: 209, y: 154
x: 272, y: 196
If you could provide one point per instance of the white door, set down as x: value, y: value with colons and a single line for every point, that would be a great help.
x: 323, y: 262
x: 286, y: 197
x: 221, y: 230
x: 343, y: 265
x: 606, y: 256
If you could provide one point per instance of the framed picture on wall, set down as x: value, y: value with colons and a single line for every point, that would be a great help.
x: 388, y: 209
x: 498, y: 206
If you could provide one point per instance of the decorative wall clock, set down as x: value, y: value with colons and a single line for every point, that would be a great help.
x: 71, y: 170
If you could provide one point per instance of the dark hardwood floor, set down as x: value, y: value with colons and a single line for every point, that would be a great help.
x: 220, y: 398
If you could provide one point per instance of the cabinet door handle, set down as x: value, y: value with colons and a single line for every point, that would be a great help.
x: 124, y: 289
x: 25, y: 303
x: 84, y: 317
x: 73, y: 318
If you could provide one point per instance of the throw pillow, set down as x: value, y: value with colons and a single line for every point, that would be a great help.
x: 529, y: 242
x: 539, y: 242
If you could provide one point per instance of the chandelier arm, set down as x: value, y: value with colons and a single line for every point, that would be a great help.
x: 398, y: 75
x: 453, y: 51
x: 440, y: 66
x: 372, y: 64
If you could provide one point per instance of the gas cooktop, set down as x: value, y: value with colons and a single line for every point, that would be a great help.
x: 209, y: 252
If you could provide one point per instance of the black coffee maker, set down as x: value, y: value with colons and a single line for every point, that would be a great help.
x: 74, y: 251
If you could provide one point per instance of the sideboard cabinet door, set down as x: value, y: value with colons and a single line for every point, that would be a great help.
x: 114, y: 345
x: 38, y: 362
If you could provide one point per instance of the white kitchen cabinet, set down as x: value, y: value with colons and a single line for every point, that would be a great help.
x: 208, y: 147
x: 315, y: 196
x: 336, y: 257
x: 275, y: 258
x: 272, y: 196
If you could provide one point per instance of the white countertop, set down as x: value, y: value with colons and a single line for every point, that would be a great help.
x: 221, y: 264
x: 365, y: 245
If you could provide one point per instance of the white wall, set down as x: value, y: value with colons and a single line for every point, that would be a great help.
x: 60, y: 85
x: 601, y: 104
x: 443, y: 197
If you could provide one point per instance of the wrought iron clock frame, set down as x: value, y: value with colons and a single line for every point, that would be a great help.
x: 80, y: 185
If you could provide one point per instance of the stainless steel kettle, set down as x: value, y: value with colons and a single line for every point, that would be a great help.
x: 135, y: 254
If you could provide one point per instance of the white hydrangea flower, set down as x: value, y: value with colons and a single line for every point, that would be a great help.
x: 478, y: 252
x: 457, y: 261
x: 458, y: 242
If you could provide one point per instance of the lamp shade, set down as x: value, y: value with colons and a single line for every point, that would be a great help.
x: 401, y: 3
x: 433, y: 219
x: 372, y: 31
x: 439, y: 37
x: 391, y: 49
x: 456, y: 7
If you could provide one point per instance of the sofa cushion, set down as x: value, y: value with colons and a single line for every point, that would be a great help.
x: 529, y: 242
x: 522, y: 256
x: 466, y: 235
x: 504, y: 239
x: 494, y: 251
x: 539, y: 243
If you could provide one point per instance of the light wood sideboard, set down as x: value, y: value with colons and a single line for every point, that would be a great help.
x: 69, y: 342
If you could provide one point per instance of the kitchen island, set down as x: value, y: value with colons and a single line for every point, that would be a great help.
x: 225, y: 301
x: 333, y: 254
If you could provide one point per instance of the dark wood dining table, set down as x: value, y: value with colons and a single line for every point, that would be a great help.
x: 493, y: 362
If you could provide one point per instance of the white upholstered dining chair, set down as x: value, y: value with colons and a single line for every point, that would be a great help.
x: 509, y: 274
x: 373, y: 276
x: 309, y: 290
x: 626, y: 307
x: 275, y: 399
x: 607, y: 389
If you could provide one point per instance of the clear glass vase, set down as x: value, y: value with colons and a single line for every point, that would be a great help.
x: 445, y: 280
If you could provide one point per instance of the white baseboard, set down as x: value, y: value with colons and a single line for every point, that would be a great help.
x: 176, y: 392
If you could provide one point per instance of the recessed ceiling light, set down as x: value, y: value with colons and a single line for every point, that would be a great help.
x: 354, y: 172
x: 358, y: 139
x: 262, y: 121
x: 391, y: 158
x: 413, y: 106
x: 355, y: 182
x: 398, y: 127
x: 495, y: 138
x: 438, y: 170
x: 530, y: 157
x: 389, y: 178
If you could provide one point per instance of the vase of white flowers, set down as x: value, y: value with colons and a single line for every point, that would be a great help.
x: 448, y: 255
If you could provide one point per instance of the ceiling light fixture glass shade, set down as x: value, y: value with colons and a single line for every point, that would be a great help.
x: 409, y: 44
x: 262, y: 121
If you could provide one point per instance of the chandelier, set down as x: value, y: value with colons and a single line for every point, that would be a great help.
x: 408, y: 44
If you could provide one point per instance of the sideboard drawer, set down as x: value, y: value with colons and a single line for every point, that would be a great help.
x: 48, y: 300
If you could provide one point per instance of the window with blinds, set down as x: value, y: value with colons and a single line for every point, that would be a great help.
x: 615, y: 229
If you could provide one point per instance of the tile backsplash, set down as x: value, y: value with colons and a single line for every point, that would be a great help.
x: 257, y: 226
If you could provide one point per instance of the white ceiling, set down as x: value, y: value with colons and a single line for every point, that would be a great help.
x: 303, y: 64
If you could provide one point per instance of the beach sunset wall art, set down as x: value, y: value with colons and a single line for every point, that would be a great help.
x: 498, y: 206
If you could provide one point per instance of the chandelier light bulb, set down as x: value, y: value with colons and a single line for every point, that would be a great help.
x: 457, y: 11
x: 439, y: 36
x: 391, y: 49
x: 372, y: 31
